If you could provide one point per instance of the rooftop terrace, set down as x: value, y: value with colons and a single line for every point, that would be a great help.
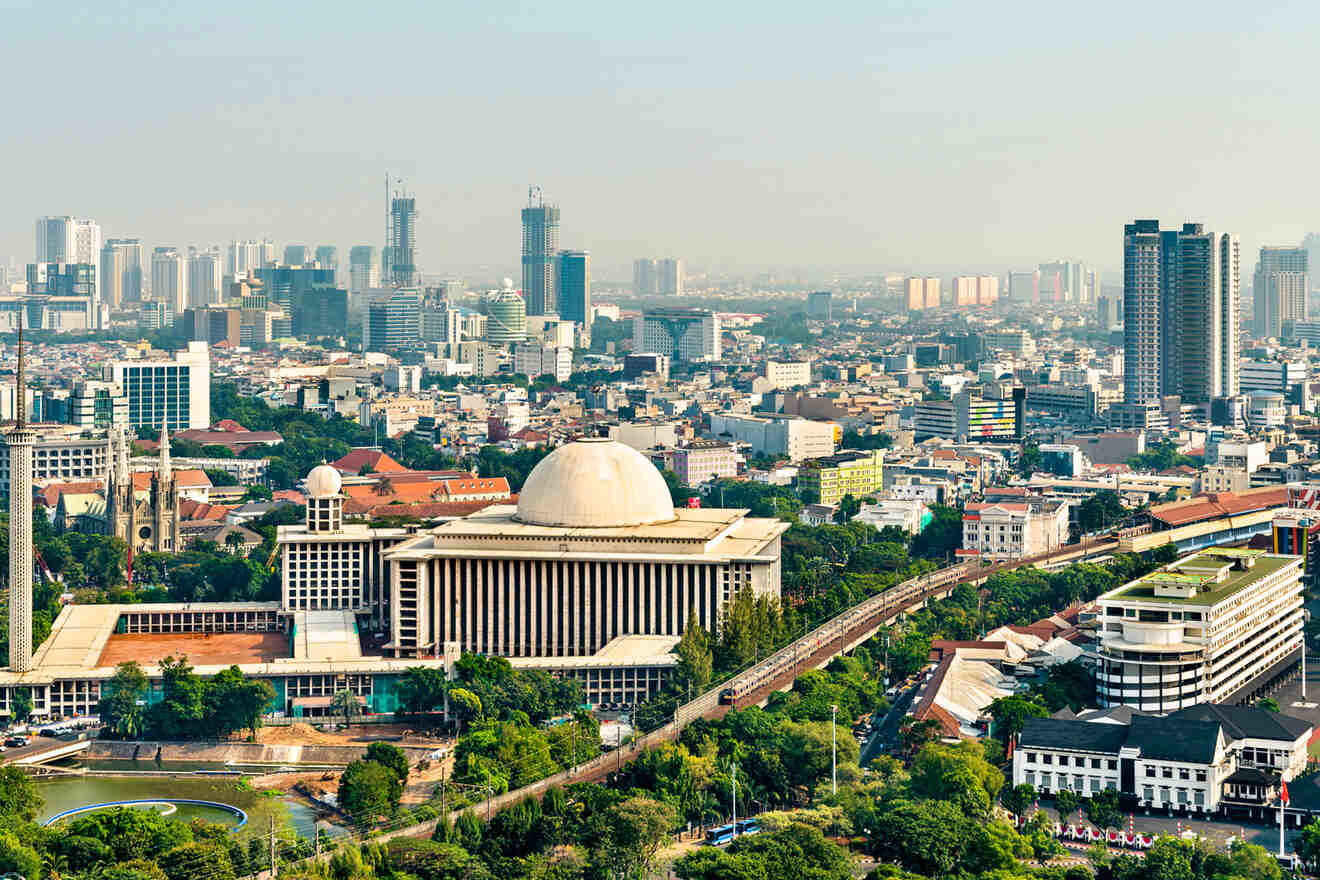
x: 1198, y: 575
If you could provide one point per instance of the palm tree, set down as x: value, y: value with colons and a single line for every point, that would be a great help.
x: 234, y: 541
x: 346, y: 703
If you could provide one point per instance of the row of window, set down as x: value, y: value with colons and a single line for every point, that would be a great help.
x: 1077, y: 760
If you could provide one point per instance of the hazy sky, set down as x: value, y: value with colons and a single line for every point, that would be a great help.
x: 860, y: 136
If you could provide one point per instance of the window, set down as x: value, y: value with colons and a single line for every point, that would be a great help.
x: 1200, y: 776
x: 1095, y: 763
x: 1148, y: 794
x: 1047, y: 759
x: 1168, y: 772
x: 1183, y: 773
x: 1150, y: 771
x: 1031, y: 757
x: 1113, y: 764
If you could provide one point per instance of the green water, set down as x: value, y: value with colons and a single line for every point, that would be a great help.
x: 68, y: 792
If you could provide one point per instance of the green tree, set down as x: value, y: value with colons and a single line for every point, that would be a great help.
x: 367, y: 791
x: 420, y: 690
x: 17, y: 857
x: 1308, y: 844
x: 182, y: 706
x: 234, y: 703
x: 695, y: 663
x: 929, y: 837
x: 1010, y: 714
x: 635, y: 829
x: 464, y: 705
x: 136, y: 869
x: 848, y: 508
x: 1102, y: 809
x: 389, y: 756
x: 1269, y: 704
x: 1066, y: 802
x: 347, y: 704
x: 21, y: 710
x: 19, y: 799
x: 200, y: 860
x: 433, y: 860
x: 1018, y: 799
x: 797, y: 851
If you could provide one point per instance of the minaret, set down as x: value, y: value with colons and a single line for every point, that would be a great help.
x: 20, y: 440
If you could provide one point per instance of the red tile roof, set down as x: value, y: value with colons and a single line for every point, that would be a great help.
x: 361, y: 457
x: 1218, y: 504
x: 50, y: 495
x: 421, y: 510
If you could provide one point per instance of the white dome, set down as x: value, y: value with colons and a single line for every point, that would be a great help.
x: 595, y: 483
x: 324, y: 482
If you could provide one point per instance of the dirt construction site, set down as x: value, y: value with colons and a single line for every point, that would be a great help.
x: 201, y: 649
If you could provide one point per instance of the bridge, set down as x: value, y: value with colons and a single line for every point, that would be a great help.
x: 43, y: 750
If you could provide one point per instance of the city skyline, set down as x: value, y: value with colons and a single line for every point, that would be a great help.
x: 947, y: 169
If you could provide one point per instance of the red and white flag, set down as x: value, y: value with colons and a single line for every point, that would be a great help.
x: 1283, y: 792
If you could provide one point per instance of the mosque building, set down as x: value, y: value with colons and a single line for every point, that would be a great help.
x: 592, y: 574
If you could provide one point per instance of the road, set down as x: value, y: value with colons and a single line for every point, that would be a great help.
x: 885, y: 738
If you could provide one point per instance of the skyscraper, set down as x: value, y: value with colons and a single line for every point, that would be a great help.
x: 1278, y: 290
x: 203, y: 277
x: 327, y: 256
x: 297, y: 255
x: 120, y: 278
x: 393, y: 320
x: 1180, y: 313
x: 573, y: 269
x: 68, y: 240
x: 669, y: 277
x: 363, y: 273
x: 400, y: 255
x: 644, y: 277
x: 540, y: 243
x: 169, y: 279
x: 249, y: 256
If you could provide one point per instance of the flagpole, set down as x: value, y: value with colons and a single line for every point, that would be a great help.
x: 1283, y: 802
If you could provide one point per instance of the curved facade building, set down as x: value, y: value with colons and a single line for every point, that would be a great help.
x: 1220, y: 623
x: 506, y: 317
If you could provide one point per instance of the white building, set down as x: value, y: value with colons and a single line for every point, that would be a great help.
x: 593, y: 553
x: 1014, y: 529
x: 176, y: 393
x: 787, y: 374
x: 68, y: 240
x: 533, y: 359
x: 910, y: 515
x: 66, y: 460
x: 1199, y: 630
x: 793, y: 437
x: 248, y: 256
x: 399, y: 377
x: 669, y: 276
x: 686, y: 335
x: 1236, y: 452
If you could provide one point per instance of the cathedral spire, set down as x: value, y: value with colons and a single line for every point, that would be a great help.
x: 164, y: 451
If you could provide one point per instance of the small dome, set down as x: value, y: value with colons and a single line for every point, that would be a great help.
x: 595, y: 483
x: 324, y: 482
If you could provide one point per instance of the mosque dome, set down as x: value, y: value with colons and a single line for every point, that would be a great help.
x: 324, y: 482
x: 595, y: 483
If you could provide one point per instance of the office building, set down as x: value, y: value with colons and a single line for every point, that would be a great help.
x: 1295, y: 531
x: 60, y: 461
x: 683, y: 335
x: 400, y: 252
x: 829, y: 479
x: 635, y: 365
x: 1267, y: 375
x: 922, y: 293
x: 969, y: 417
x: 1279, y: 289
x: 1024, y: 287
x: 540, y: 243
x: 175, y: 393
x: 1061, y: 459
x: 441, y: 322
x: 535, y: 359
x: 669, y: 277
x: 248, y: 256
x: 571, y: 569
x: 68, y: 240
x: 506, y: 316
x: 214, y: 325
x: 169, y: 280
x: 819, y: 305
x: 98, y: 404
x: 120, y: 278
x: 1180, y: 313
x: 363, y: 273
x: 204, y: 277
x: 573, y: 269
x: 792, y: 437
x: 297, y: 255
x: 393, y: 320
x: 703, y: 460
x: 786, y: 374
x: 1199, y: 630
x: 645, y: 277
x: 1109, y: 311
x: 327, y: 257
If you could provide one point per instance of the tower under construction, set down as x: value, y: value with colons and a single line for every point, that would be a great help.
x: 540, y: 244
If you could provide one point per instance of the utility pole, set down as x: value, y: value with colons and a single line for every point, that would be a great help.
x: 834, y: 751
x: 490, y: 793
x: 735, y: 797
x: 274, y: 870
x: 316, y: 835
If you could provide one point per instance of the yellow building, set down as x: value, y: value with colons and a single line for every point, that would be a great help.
x: 848, y: 473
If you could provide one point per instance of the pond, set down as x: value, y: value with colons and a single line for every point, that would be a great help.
x: 70, y: 792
